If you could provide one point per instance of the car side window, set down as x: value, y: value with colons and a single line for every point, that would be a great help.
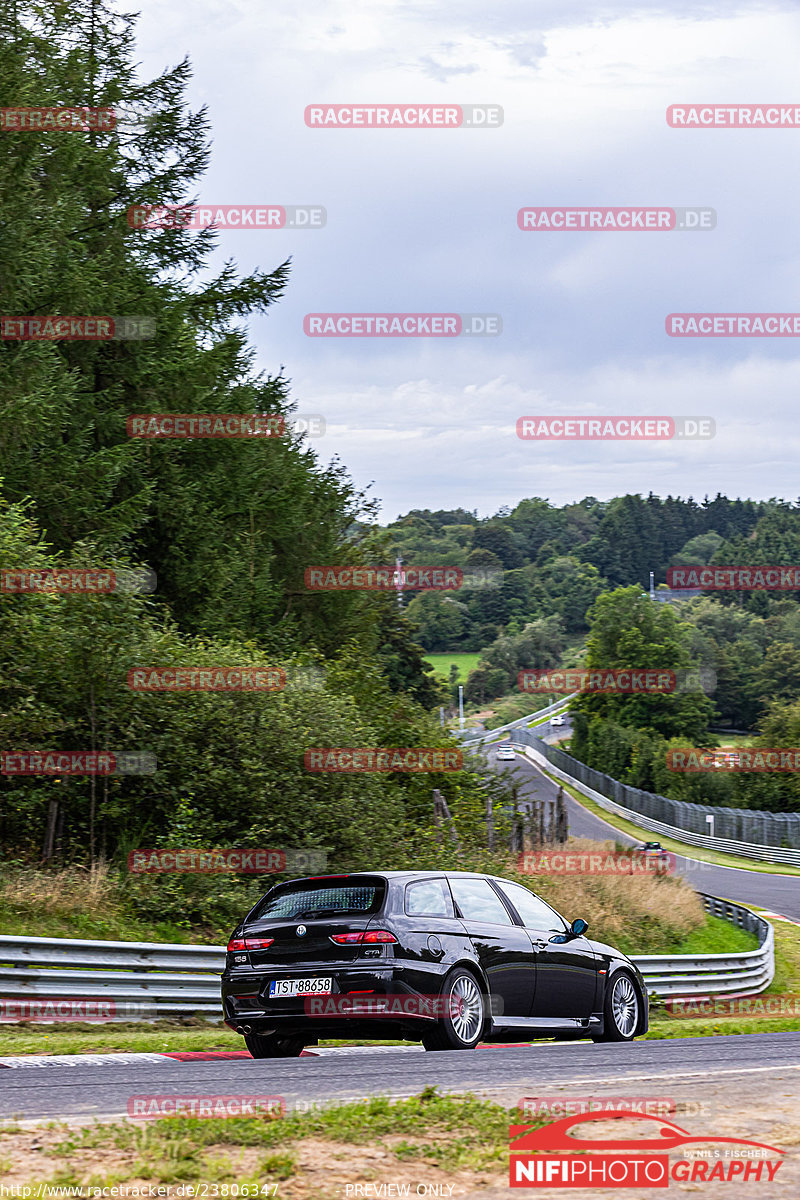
x: 534, y: 912
x: 428, y: 898
x: 478, y: 902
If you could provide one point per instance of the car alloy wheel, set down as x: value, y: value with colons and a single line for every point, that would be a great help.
x: 624, y: 1006
x: 461, y: 1024
x: 466, y: 1008
x: 620, y: 1010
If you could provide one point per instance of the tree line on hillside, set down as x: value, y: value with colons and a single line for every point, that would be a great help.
x: 756, y: 661
x: 539, y: 609
x: 557, y: 560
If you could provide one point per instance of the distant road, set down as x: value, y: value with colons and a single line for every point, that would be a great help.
x: 779, y: 893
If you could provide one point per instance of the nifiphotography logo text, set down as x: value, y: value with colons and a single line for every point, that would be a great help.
x: 552, y: 1156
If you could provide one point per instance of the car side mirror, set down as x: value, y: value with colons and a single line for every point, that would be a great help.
x: 578, y: 927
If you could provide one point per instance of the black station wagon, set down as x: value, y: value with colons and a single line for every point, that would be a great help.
x: 448, y: 958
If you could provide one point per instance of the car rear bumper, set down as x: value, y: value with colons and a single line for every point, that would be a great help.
x: 381, y: 999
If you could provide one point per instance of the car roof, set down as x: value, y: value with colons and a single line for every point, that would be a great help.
x: 409, y: 875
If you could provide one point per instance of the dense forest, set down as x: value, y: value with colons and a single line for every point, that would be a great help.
x: 227, y: 525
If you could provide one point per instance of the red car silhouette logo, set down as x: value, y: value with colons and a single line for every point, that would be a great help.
x: 557, y: 1136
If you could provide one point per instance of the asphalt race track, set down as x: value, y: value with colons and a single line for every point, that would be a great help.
x: 778, y: 893
x: 733, y: 1066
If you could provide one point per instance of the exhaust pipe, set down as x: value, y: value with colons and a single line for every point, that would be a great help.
x: 243, y: 1029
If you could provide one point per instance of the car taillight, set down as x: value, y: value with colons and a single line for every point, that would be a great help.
x: 366, y: 936
x: 242, y: 945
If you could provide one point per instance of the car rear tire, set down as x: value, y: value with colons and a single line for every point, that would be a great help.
x: 273, y: 1045
x: 461, y: 1026
x: 621, y: 1010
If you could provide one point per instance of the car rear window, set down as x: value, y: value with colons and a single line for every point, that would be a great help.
x: 320, y: 898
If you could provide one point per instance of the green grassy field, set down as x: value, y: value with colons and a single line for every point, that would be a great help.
x: 442, y: 663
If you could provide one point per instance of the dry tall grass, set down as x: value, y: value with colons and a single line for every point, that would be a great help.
x: 68, y: 892
x: 634, y: 912
x: 638, y: 914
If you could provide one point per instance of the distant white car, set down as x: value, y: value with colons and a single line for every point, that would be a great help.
x: 558, y: 719
x: 505, y: 754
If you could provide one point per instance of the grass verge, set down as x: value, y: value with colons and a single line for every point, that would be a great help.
x: 430, y: 1137
x: 786, y: 983
x: 124, y: 1037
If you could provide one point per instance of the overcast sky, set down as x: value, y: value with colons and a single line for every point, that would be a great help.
x: 425, y: 221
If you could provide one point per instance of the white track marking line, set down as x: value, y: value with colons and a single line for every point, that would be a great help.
x: 711, y: 1073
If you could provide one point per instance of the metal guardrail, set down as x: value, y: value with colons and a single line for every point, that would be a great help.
x: 520, y: 723
x: 771, y: 854
x: 148, y: 980
x: 137, y: 980
x: 698, y: 975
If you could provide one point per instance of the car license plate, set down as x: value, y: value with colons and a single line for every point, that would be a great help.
x: 318, y: 986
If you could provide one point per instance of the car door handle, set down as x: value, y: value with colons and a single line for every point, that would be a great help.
x: 539, y: 945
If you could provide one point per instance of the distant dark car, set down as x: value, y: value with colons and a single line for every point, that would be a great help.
x: 446, y: 958
x: 655, y: 852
